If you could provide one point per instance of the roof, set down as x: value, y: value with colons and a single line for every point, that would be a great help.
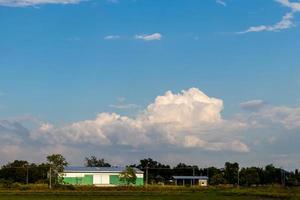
x: 98, y: 169
x: 191, y: 177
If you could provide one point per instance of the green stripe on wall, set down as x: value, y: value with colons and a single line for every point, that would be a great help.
x: 86, y: 180
x: 139, y: 181
x: 115, y: 180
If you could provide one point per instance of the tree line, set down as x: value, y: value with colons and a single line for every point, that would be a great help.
x: 20, y: 171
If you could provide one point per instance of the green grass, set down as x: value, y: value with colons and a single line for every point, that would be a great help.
x: 126, y: 196
x: 154, y: 193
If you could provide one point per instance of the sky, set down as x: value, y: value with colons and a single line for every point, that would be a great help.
x: 201, y: 82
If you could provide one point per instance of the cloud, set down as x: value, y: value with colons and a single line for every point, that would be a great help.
x: 24, y: 3
x: 285, y: 23
x: 253, y: 105
x: 221, y: 2
x: 263, y: 115
x: 186, y: 124
x: 150, y: 37
x: 189, y: 119
x: 295, y: 6
x: 122, y: 105
x: 112, y: 37
x: 289, y: 117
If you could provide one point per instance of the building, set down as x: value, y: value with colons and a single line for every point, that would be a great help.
x: 191, y: 180
x: 97, y: 176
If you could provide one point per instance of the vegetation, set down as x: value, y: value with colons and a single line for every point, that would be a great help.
x: 22, y: 172
x: 93, y: 161
x: 154, y: 192
x: 128, y: 176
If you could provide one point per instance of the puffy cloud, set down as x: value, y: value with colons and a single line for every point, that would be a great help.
x: 289, y: 117
x: 188, y: 108
x: 183, y: 126
x: 24, y: 3
x: 263, y: 115
x: 295, y: 6
x: 150, y: 37
x: 285, y: 23
x: 189, y: 119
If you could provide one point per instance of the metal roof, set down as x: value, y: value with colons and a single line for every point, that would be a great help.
x: 98, y: 169
x: 190, y: 177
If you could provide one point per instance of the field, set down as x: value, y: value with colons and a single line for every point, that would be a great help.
x: 265, y: 193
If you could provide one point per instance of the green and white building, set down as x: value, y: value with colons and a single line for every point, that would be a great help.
x: 97, y: 176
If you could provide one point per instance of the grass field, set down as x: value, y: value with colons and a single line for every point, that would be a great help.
x: 266, y: 193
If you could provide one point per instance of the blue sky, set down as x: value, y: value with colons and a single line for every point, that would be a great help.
x: 65, y: 62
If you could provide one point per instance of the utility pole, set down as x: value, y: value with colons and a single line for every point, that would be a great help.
x: 50, y: 175
x: 238, y: 177
x: 283, y: 177
x: 27, y: 175
x: 207, y: 174
x: 193, y: 182
x: 147, y: 175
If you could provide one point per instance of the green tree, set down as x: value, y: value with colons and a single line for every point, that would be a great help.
x: 15, y: 171
x: 297, y: 175
x: 93, y: 161
x: 155, y: 169
x: 231, y: 172
x: 128, y: 176
x: 249, y: 176
x: 272, y: 175
x: 57, y: 163
x: 217, y: 179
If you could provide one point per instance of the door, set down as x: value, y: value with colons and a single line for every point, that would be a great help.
x: 97, y: 179
x: 105, y: 179
x: 101, y: 179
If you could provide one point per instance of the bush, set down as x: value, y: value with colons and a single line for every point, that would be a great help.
x: 64, y: 187
x: 6, y: 183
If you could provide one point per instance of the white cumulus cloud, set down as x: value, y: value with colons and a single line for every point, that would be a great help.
x: 189, y: 119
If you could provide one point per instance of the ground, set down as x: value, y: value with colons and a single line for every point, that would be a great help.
x: 155, y: 194
x: 125, y: 196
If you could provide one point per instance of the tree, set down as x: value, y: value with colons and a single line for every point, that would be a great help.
x: 93, y: 161
x: 57, y: 163
x: 250, y: 176
x: 297, y: 175
x: 217, y: 179
x: 15, y: 171
x: 272, y: 174
x: 128, y: 176
x: 156, y: 170
x: 231, y: 172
